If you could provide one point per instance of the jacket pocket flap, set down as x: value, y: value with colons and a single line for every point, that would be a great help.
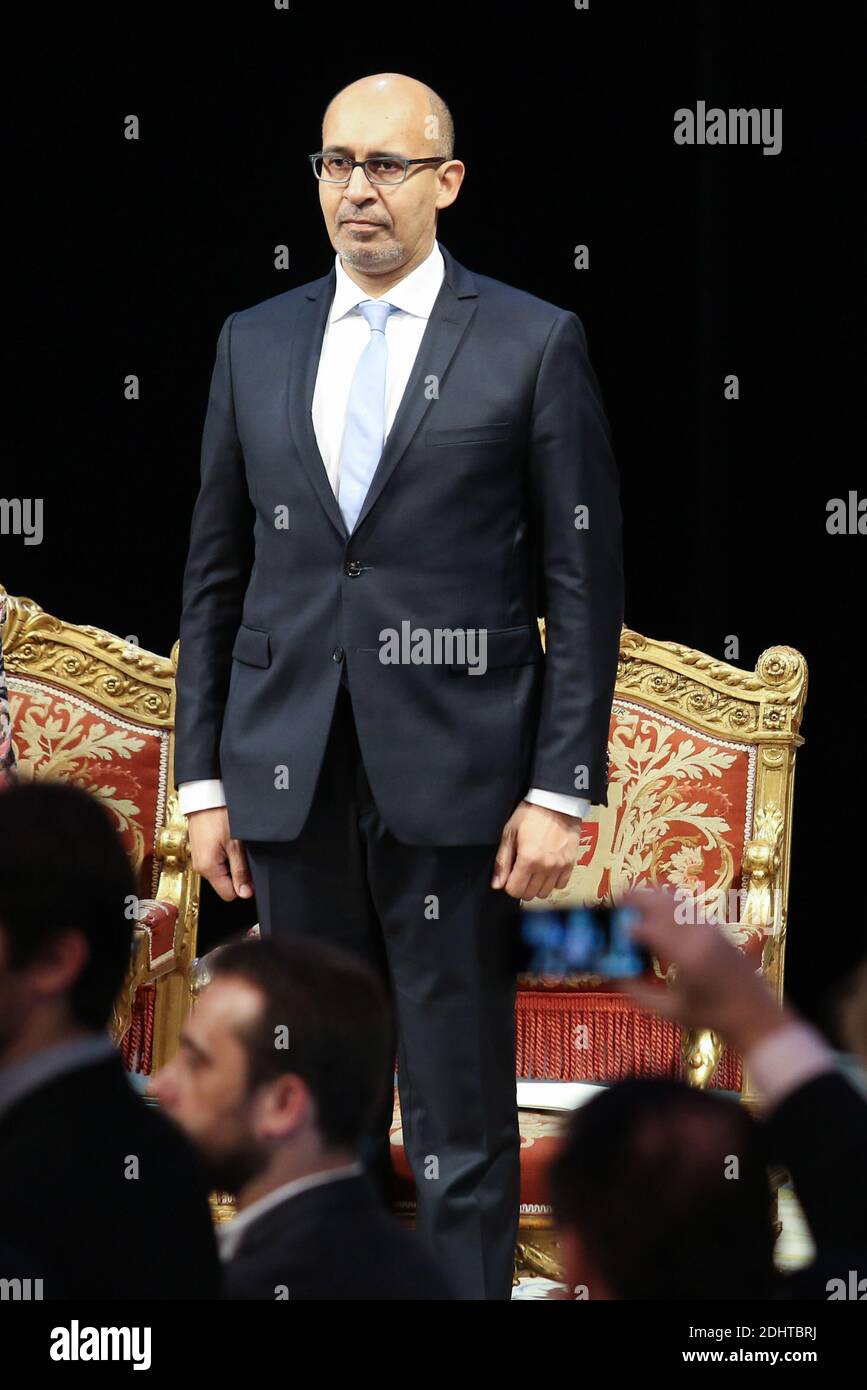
x: 505, y: 646
x: 470, y: 434
x: 252, y: 646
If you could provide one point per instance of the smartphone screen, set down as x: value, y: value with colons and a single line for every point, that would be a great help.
x: 581, y: 941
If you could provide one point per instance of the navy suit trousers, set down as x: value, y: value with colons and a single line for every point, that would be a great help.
x: 445, y: 944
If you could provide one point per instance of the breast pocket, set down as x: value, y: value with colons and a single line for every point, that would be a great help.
x: 494, y: 433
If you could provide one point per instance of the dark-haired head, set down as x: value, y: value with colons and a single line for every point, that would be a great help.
x: 282, y: 1061
x: 662, y: 1191
x: 66, y: 886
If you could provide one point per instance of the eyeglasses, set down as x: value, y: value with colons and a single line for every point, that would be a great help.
x: 338, y: 168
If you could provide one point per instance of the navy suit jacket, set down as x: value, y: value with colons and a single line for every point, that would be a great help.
x: 332, y: 1242
x: 469, y: 523
x: 75, y: 1218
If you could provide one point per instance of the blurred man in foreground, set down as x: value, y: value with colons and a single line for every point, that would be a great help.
x: 644, y: 1190
x: 101, y: 1197
x: 280, y: 1066
x: 661, y: 1192
x: 815, y: 1121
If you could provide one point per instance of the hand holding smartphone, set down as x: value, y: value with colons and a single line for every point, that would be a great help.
x: 582, y: 941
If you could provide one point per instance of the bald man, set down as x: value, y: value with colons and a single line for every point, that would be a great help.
x: 404, y: 465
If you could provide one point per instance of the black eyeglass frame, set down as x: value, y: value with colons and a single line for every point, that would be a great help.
x: 362, y: 163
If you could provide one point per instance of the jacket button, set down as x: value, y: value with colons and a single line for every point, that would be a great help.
x: 353, y: 568
x: 337, y: 654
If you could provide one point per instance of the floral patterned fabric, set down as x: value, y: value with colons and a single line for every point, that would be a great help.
x: 679, y: 811
x: 56, y: 734
x: 60, y: 735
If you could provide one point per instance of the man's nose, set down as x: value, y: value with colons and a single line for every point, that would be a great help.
x: 157, y: 1087
x: 359, y: 186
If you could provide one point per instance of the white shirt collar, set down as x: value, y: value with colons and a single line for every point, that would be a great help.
x: 414, y: 294
x: 230, y: 1232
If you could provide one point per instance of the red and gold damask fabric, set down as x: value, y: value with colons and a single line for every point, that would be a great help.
x: 58, y: 734
x: 679, y: 813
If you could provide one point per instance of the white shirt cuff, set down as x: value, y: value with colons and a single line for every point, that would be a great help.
x: 786, y: 1059
x: 558, y: 801
x: 201, y: 795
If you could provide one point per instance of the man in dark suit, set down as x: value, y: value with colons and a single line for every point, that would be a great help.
x: 280, y: 1065
x: 404, y: 465
x: 102, y: 1198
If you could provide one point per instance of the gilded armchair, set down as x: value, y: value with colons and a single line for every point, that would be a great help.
x: 90, y: 708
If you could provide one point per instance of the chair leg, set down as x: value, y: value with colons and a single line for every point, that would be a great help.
x: 531, y: 1258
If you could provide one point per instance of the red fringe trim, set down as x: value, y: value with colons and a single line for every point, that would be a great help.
x: 623, y: 1041
x: 137, y: 1043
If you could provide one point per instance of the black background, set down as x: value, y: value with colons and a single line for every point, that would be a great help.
x: 126, y: 257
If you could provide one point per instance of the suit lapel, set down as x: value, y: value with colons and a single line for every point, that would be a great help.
x: 450, y: 317
x: 303, y: 364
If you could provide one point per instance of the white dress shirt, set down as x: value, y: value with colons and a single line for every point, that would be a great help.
x: 229, y: 1233
x: 346, y: 336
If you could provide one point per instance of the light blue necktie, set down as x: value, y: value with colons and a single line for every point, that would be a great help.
x: 364, y: 430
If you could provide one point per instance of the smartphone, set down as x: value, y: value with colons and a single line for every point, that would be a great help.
x: 581, y: 941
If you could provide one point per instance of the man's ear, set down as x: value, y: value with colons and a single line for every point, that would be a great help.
x: 55, y: 970
x: 283, y: 1107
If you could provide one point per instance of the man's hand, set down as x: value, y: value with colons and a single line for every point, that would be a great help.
x: 216, y: 856
x: 537, y: 852
x: 714, y: 985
